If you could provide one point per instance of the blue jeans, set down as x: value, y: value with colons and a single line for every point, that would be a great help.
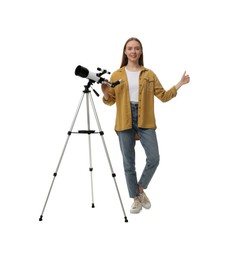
x: 148, y: 139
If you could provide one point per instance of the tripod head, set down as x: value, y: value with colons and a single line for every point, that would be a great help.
x: 95, y: 77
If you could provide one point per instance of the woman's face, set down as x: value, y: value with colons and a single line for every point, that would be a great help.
x: 133, y: 51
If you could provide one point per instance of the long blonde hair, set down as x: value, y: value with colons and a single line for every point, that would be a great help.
x: 124, y: 56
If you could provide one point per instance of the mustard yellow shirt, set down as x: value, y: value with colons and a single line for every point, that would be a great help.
x: 149, y: 86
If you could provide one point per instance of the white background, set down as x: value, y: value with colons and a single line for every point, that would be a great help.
x: 42, y: 42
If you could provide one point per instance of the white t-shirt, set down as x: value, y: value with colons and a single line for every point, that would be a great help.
x: 133, y: 82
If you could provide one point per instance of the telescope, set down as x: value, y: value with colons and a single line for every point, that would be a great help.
x: 95, y: 77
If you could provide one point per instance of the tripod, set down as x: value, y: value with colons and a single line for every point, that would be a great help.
x: 88, y: 95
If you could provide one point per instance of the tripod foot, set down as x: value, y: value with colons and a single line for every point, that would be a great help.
x: 41, y: 218
x: 126, y: 220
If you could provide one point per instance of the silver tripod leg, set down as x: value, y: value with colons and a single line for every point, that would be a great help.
x: 61, y: 157
x: 107, y: 154
x: 90, y: 153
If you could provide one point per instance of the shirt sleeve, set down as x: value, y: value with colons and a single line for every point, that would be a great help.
x: 161, y: 93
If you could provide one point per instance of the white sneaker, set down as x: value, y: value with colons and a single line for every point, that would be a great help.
x: 136, y: 206
x: 144, y: 200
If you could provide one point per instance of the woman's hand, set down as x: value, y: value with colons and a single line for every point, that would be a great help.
x: 184, y: 80
x: 105, y: 89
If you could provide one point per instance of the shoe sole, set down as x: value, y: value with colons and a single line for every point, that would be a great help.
x: 135, y: 212
x: 147, y: 207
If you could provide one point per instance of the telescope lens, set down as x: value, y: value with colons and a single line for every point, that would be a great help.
x: 81, y: 71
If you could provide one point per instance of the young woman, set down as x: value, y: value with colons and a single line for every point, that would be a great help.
x: 135, y: 119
